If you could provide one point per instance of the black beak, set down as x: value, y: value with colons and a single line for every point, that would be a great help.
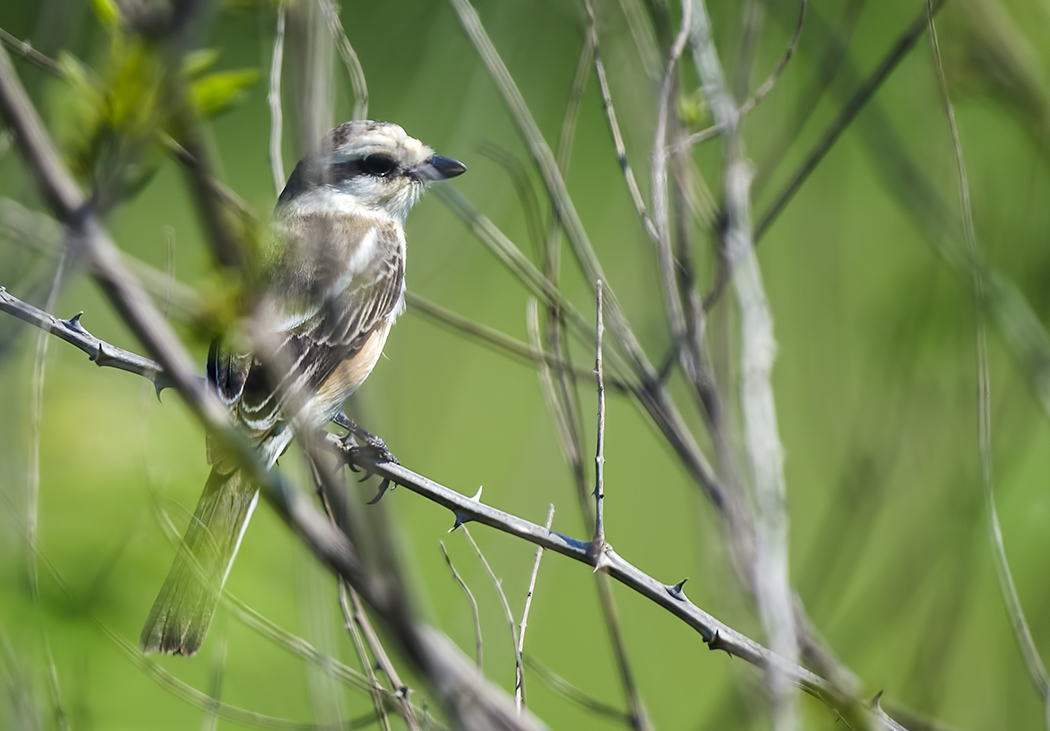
x: 443, y: 168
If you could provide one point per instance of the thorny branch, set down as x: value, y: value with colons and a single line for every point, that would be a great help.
x: 671, y: 597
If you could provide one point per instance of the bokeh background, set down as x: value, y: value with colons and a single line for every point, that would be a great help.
x: 875, y: 379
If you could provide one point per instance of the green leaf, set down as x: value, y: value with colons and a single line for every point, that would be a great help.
x: 75, y: 71
x: 108, y: 13
x: 197, y: 62
x: 216, y: 93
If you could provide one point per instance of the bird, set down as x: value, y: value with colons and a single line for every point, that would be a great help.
x: 329, y: 284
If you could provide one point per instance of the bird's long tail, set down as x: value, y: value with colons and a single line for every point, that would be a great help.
x: 183, y: 610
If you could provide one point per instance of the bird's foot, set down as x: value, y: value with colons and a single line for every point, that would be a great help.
x: 362, y: 443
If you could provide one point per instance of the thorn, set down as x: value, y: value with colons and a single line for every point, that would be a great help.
x: 676, y: 590
x: 716, y: 644
x: 403, y: 691
x: 97, y: 357
x: 602, y: 563
x: 876, y: 701
x: 461, y: 519
x: 477, y: 495
x: 74, y: 322
x: 383, y: 487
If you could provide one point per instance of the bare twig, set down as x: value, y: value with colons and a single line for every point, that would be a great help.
x: 401, y: 691
x: 550, y: 173
x: 1007, y: 589
x: 479, y: 643
x: 218, y: 673
x: 761, y: 92
x: 518, y: 697
x: 25, y: 50
x: 846, y: 116
x: 274, y: 100
x: 42, y: 234
x: 362, y: 653
x: 598, y: 542
x: 36, y: 416
x: 500, y: 341
x: 511, y: 257
x: 658, y: 180
x: 376, y: 690
x: 349, y: 58
x: 638, y: 717
x: 58, y: 704
x: 769, y: 83
x: 762, y: 442
x: 519, y: 671
x: 614, y: 125
x: 571, y: 693
x: 560, y: 394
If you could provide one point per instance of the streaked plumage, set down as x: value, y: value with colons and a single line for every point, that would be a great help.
x: 333, y: 283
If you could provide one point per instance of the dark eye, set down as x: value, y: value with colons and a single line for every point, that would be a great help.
x: 379, y: 166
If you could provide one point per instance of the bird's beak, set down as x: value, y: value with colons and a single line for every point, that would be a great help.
x: 442, y: 168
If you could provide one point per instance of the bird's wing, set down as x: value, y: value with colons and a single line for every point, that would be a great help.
x: 333, y: 285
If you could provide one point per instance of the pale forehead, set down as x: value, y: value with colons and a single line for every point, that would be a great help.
x: 367, y: 137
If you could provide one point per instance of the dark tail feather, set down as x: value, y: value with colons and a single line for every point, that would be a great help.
x: 184, y: 608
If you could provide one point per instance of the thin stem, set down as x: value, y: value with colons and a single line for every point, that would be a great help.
x: 362, y: 653
x: 401, y: 691
x: 658, y: 179
x: 499, y: 341
x: 479, y: 642
x: 36, y: 416
x: 761, y: 92
x: 571, y: 693
x: 614, y: 125
x: 25, y: 50
x: 528, y: 598
x: 519, y: 671
x: 274, y: 99
x: 349, y: 58
x: 1007, y: 589
x: 598, y: 542
x: 846, y: 116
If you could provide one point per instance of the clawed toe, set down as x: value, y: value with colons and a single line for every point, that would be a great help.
x: 361, y: 443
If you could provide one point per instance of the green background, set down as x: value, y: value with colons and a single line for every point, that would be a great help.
x: 875, y: 382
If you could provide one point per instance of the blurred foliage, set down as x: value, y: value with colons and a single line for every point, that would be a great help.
x: 875, y: 376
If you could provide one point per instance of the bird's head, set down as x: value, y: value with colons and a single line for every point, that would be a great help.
x: 370, y: 165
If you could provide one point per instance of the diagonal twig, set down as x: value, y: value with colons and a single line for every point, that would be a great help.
x: 479, y: 643
x: 519, y: 671
x: 1007, y: 589
x: 528, y: 596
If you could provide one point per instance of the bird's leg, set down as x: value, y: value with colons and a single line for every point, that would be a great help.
x: 364, y: 441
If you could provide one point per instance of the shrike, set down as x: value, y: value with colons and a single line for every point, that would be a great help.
x: 331, y: 283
